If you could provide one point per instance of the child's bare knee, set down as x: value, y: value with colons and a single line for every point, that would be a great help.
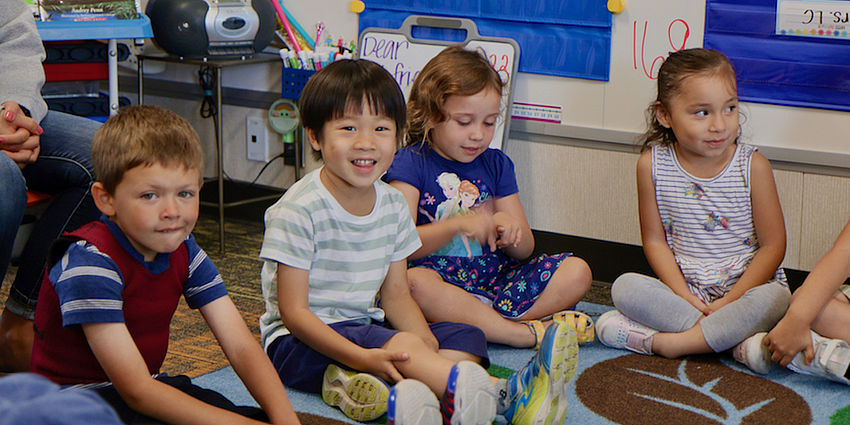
x: 405, y: 341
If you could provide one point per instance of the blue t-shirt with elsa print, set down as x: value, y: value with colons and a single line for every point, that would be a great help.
x: 448, y: 188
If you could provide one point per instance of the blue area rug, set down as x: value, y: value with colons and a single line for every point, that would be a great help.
x: 619, y: 387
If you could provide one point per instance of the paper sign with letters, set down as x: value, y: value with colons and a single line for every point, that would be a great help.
x: 827, y: 19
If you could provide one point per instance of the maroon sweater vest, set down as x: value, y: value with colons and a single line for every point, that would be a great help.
x: 63, y: 354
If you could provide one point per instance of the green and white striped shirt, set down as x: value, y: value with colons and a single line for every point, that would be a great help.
x: 348, y: 256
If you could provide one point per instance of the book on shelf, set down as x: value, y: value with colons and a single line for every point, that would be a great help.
x: 87, y: 10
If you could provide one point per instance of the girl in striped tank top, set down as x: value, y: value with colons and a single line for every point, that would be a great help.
x: 711, y: 223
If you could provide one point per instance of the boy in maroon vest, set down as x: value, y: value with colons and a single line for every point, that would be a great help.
x: 113, y: 285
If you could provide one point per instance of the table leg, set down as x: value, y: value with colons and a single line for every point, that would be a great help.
x: 219, y: 157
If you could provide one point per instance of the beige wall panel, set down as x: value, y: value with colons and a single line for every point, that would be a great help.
x: 789, y: 185
x: 577, y: 191
x: 826, y: 208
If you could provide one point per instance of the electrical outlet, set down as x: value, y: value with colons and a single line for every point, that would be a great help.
x: 257, y: 139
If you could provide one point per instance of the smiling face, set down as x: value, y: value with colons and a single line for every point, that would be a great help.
x: 704, y: 117
x: 469, y: 125
x: 155, y: 206
x: 357, y: 149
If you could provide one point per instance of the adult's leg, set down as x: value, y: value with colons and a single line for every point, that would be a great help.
x: 13, y: 199
x: 758, y: 310
x: 63, y: 169
x: 15, y: 335
x: 442, y: 301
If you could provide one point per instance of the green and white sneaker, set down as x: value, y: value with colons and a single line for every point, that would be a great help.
x: 538, y: 391
x: 361, y: 396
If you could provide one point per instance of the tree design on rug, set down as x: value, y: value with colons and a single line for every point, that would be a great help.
x: 637, y: 389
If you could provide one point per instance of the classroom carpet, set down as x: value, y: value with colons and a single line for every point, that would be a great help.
x: 610, y: 387
x: 619, y: 387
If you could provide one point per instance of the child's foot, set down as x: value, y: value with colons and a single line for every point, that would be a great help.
x: 412, y: 403
x: 582, y: 323
x: 538, y: 392
x: 832, y: 357
x: 618, y: 331
x: 470, y: 397
x: 753, y: 353
x: 361, y: 396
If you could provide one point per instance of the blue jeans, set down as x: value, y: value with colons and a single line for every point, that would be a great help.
x: 63, y: 169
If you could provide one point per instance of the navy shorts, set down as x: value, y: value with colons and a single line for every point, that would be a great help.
x: 300, y: 367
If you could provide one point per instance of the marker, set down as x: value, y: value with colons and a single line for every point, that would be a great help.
x: 317, y: 64
x: 320, y: 27
x: 284, y: 58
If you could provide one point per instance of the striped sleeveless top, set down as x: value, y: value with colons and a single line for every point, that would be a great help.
x: 708, y: 222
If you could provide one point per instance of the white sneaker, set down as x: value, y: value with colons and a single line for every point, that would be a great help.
x: 832, y: 357
x: 470, y: 397
x: 618, y: 331
x: 752, y: 353
x: 412, y: 403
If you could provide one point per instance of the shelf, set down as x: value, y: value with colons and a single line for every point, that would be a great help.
x: 95, y: 30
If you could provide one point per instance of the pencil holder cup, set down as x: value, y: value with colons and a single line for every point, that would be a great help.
x: 292, y: 81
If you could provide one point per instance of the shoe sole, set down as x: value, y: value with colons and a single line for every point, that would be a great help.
x: 552, y: 408
x: 565, y: 371
x: 360, y: 396
x: 475, y: 396
x: 583, y: 324
x: 412, y: 403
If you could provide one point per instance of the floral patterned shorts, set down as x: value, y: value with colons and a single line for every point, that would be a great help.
x: 509, y: 285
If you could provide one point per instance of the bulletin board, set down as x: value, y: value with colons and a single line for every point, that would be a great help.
x: 784, y: 69
x: 562, y: 38
x: 403, y: 53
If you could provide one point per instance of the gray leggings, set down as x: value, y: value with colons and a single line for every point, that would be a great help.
x: 649, y: 301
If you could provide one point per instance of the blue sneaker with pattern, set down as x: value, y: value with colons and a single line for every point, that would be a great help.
x: 538, y: 391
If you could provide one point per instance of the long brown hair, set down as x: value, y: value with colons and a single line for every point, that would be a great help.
x: 675, y: 69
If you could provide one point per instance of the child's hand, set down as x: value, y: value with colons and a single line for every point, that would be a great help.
x: 509, y: 230
x: 480, y: 227
x: 717, y: 305
x: 381, y: 363
x: 698, y: 304
x: 788, y: 338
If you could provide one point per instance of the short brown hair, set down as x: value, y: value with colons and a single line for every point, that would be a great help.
x: 454, y: 71
x: 143, y: 135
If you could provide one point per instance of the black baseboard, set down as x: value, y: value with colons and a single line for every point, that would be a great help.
x: 608, y: 260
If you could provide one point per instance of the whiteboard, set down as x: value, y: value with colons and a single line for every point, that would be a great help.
x: 404, y: 56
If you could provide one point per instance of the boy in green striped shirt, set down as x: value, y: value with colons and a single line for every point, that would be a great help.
x: 339, y: 317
